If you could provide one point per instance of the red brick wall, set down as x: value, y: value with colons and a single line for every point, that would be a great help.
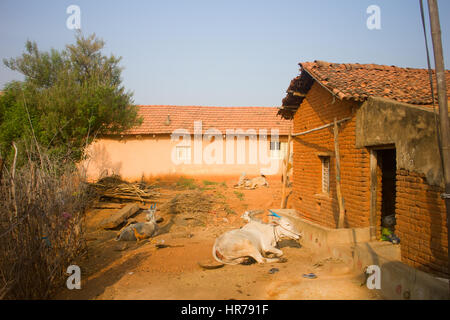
x: 421, y: 223
x: 421, y: 217
x: 318, y: 109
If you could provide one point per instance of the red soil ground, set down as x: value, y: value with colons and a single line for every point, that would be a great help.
x: 129, y: 270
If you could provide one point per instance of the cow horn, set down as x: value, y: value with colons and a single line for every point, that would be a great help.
x: 251, y: 214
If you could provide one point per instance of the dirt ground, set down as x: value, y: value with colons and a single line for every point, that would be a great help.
x: 130, y: 270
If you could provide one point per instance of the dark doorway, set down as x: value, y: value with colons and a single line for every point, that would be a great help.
x: 388, y: 165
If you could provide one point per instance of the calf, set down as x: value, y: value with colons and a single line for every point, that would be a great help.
x: 246, y: 183
x: 140, y: 230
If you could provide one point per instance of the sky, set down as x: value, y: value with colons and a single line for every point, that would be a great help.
x: 223, y: 53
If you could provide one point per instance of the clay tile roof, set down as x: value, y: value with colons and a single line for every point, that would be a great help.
x: 155, y: 119
x: 357, y: 82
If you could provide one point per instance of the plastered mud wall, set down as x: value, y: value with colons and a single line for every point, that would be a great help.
x: 412, y: 129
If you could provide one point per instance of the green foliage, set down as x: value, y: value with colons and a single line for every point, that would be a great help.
x: 228, y: 210
x: 209, y: 183
x: 186, y: 183
x: 221, y: 196
x: 239, y: 195
x: 68, y: 97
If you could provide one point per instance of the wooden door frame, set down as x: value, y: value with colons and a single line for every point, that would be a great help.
x: 373, y: 193
x: 373, y: 151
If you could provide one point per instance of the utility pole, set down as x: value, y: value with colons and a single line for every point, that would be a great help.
x: 443, y: 108
x: 285, y: 172
x: 338, y: 176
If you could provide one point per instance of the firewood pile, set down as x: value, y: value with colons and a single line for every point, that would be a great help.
x: 115, y: 188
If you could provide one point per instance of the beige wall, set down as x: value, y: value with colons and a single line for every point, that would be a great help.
x: 135, y: 156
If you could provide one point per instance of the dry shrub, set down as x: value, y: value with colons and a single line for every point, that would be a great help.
x: 193, y: 203
x: 111, y: 180
x: 41, y: 228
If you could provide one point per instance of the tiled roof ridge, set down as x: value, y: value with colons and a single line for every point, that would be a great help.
x: 351, y: 65
x: 162, y: 119
x: 199, y: 106
x: 356, y: 81
x: 348, y: 67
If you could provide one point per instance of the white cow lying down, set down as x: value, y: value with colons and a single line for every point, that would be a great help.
x: 256, y: 240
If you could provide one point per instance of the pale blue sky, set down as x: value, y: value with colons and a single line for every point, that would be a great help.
x: 224, y: 53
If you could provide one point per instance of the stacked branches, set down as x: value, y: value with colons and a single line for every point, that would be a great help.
x: 115, y: 188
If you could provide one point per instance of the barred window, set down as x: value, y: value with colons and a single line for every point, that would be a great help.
x: 325, y: 174
x: 183, y: 153
x: 277, y: 149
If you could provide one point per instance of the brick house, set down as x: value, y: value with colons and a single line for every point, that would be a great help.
x: 389, y: 157
x: 230, y: 141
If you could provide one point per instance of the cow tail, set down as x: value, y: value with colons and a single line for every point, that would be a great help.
x: 215, y: 255
x: 215, y: 252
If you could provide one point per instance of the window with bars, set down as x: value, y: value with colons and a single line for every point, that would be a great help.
x: 183, y: 153
x: 278, y: 149
x: 325, y: 174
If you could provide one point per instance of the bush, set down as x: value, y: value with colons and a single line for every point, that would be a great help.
x: 66, y: 99
x: 41, y: 231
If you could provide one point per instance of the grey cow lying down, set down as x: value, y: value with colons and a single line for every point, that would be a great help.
x: 255, y: 240
x: 140, y: 230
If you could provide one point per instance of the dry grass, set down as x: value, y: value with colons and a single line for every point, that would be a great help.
x: 164, y: 180
x: 41, y: 228
x: 193, y: 202
x: 169, y: 180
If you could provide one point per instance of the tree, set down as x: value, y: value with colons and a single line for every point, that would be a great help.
x: 67, y: 98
